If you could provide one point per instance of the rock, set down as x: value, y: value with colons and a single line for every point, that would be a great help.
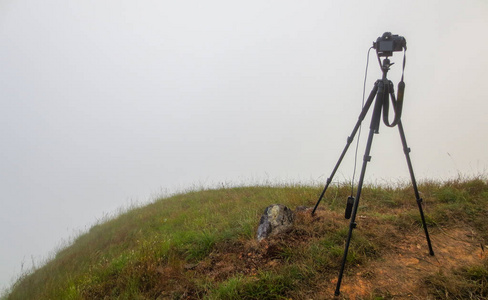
x: 276, y: 219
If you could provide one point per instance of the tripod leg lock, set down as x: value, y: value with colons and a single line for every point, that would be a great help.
x: 349, y: 139
x: 406, y: 150
x: 419, y: 200
x: 367, y: 158
x: 353, y: 225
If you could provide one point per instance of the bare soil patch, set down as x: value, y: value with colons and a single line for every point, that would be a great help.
x: 399, y: 273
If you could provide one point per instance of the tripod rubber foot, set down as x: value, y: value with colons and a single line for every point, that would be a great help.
x: 337, y: 293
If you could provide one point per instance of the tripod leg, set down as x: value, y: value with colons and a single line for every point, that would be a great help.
x: 375, y: 120
x: 406, y: 150
x: 349, y: 141
x: 352, y: 224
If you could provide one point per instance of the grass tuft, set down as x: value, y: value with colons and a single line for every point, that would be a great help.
x: 469, y: 282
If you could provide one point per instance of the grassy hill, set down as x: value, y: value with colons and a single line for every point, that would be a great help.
x: 201, y: 245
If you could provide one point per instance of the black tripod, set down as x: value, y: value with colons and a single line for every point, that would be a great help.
x: 383, y: 89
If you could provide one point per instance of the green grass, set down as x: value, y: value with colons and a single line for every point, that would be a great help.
x: 144, y: 253
x: 266, y: 285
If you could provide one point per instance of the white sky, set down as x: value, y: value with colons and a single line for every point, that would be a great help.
x: 107, y: 102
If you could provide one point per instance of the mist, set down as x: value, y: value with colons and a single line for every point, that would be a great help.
x: 114, y: 103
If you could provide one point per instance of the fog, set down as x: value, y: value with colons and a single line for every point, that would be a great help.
x: 109, y: 103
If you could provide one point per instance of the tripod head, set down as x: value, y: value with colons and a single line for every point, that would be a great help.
x: 385, y: 66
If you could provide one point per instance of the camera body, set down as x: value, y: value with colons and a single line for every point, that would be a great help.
x: 389, y: 43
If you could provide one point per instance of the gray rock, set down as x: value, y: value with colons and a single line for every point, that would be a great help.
x: 276, y: 219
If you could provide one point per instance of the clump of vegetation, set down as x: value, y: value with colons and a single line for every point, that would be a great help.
x: 468, y: 282
x: 201, y: 245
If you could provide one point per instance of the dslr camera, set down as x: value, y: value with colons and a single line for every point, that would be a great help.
x: 389, y: 43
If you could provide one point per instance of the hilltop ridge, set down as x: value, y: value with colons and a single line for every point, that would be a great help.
x: 201, y: 245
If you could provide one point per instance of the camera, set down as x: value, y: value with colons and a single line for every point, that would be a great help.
x: 389, y: 43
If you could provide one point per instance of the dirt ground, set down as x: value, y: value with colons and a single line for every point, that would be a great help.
x: 399, y: 272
